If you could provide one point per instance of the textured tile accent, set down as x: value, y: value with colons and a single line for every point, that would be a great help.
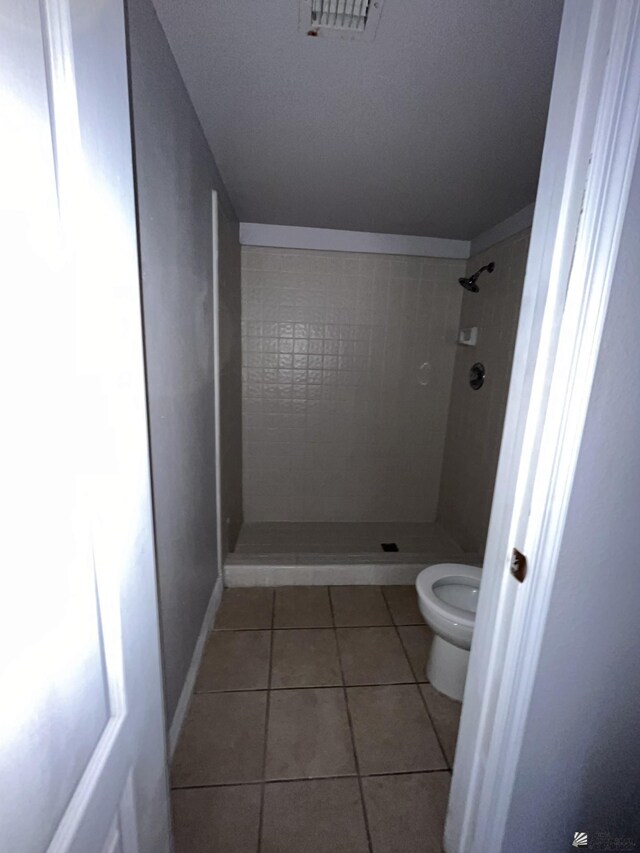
x: 372, y: 656
x: 417, y: 640
x: 341, y: 420
x: 318, y: 816
x: 355, y: 606
x: 445, y: 716
x: 308, y: 734
x: 216, y: 819
x: 235, y: 660
x: 245, y: 608
x: 302, y: 607
x: 392, y: 730
x: 406, y: 813
x: 403, y: 603
x: 307, y: 658
x: 222, y: 740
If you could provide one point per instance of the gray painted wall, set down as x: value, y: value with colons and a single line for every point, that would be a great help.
x: 579, y: 767
x: 337, y: 426
x: 175, y: 176
x: 474, y: 429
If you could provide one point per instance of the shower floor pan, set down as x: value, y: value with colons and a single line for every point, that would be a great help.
x: 335, y: 553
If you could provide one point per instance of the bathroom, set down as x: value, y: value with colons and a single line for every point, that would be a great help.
x: 328, y: 537
x: 363, y: 381
x: 315, y: 614
x: 364, y: 375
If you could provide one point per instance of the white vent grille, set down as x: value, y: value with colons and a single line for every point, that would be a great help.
x: 345, y: 19
x: 350, y: 15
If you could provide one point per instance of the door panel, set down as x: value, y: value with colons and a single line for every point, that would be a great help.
x: 82, y: 750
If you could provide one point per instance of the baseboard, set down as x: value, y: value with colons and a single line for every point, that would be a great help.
x: 190, y: 680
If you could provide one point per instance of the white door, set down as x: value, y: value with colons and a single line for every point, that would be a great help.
x: 82, y: 749
x: 593, y: 134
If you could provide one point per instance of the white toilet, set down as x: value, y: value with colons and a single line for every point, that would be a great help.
x: 447, y: 598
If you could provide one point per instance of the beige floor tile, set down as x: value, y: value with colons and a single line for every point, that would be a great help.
x: 445, y: 716
x: 302, y: 607
x: 222, y: 740
x: 245, y: 608
x: 355, y: 606
x: 403, y: 603
x: 235, y: 660
x: 306, y: 658
x: 392, y: 731
x: 416, y: 640
x: 406, y: 813
x: 308, y: 734
x: 317, y: 816
x: 224, y: 820
x: 372, y: 656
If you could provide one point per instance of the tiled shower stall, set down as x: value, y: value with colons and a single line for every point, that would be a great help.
x: 337, y: 425
x: 357, y: 415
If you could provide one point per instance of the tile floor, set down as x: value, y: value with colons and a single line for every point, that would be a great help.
x: 312, y: 728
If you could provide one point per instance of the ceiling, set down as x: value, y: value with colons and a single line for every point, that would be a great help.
x: 435, y: 128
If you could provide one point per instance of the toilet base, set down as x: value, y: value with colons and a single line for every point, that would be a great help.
x: 447, y: 668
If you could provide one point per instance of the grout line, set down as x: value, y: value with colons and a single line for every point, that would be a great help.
x: 308, y: 779
x: 214, y: 692
x: 266, y: 722
x: 399, y: 636
x: 301, y: 628
x: 263, y: 782
x: 433, y: 726
x: 417, y: 683
x: 351, y: 732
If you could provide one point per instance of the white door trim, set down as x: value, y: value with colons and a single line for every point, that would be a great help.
x: 216, y: 376
x: 590, y: 149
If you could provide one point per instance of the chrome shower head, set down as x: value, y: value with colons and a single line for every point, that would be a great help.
x: 470, y: 282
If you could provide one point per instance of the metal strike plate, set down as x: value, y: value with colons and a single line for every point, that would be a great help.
x: 518, y: 565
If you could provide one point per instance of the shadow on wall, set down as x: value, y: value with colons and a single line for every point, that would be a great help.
x: 474, y: 427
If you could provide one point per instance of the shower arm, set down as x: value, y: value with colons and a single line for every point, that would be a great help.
x: 470, y: 282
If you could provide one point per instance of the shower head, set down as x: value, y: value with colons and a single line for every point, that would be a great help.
x: 470, y: 282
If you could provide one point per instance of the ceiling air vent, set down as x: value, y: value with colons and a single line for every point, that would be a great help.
x: 347, y: 19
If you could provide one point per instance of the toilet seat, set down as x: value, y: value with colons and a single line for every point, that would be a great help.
x: 429, y: 577
x: 452, y: 626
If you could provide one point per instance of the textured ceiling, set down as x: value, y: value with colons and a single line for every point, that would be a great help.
x: 435, y: 128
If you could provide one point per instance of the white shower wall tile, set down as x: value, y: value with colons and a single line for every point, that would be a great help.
x: 476, y: 418
x: 336, y: 424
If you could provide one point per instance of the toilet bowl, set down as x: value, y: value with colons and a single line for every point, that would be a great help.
x: 447, y: 598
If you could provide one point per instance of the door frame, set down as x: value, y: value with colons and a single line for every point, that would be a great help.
x: 215, y: 239
x: 590, y: 150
